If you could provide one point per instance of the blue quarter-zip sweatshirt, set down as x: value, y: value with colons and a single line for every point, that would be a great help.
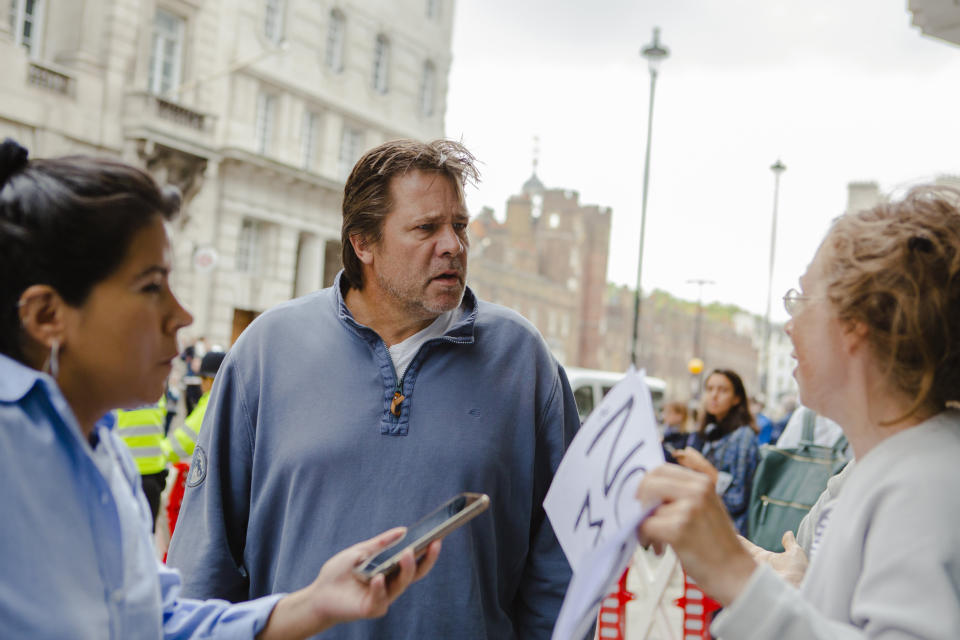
x: 301, y: 456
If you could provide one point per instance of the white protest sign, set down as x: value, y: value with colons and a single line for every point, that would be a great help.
x: 591, y: 503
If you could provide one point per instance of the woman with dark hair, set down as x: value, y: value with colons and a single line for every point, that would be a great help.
x: 88, y: 323
x: 725, y: 446
x: 876, y: 336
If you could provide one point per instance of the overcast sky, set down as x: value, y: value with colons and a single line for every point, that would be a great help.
x: 840, y: 90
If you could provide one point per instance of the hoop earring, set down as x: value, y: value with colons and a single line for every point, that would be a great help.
x: 52, y: 365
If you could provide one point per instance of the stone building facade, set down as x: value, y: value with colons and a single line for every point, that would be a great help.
x: 547, y: 260
x: 937, y: 18
x: 256, y: 109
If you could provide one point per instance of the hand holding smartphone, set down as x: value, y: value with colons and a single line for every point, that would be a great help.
x: 449, y: 516
x: 668, y: 452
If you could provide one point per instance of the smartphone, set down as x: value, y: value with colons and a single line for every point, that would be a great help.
x: 668, y: 451
x: 452, y: 514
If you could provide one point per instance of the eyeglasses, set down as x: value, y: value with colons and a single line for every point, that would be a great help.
x: 792, y: 300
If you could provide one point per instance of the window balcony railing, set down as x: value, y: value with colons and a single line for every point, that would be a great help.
x: 143, y: 108
x: 181, y: 115
x: 47, y: 77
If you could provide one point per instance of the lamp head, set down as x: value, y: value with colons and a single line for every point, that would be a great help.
x: 655, y: 53
x: 695, y: 366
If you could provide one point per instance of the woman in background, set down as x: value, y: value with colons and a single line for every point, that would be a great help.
x: 88, y: 323
x: 725, y: 446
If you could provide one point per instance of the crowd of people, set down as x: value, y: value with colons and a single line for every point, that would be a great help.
x: 340, y: 414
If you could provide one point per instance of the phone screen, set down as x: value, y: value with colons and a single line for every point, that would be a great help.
x: 441, y: 521
x: 422, y: 528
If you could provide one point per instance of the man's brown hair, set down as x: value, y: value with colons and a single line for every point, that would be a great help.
x: 366, y: 195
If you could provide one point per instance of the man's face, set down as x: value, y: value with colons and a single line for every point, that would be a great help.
x: 419, y: 267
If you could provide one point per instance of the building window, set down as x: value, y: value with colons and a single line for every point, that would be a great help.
x: 249, y: 245
x: 351, y: 143
x: 381, y: 64
x: 308, y: 139
x: 165, y: 53
x: 428, y: 86
x: 266, y: 105
x: 335, y: 38
x: 25, y: 18
x: 433, y: 9
x: 273, y: 20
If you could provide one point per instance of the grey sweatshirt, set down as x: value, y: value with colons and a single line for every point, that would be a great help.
x: 888, y: 564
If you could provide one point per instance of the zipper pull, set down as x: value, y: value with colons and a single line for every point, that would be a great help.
x: 395, y: 403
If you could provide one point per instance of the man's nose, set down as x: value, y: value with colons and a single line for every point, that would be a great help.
x: 449, y: 242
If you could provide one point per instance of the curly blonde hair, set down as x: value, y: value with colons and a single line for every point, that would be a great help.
x: 896, y: 269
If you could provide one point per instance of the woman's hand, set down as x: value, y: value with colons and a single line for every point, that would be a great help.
x: 338, y: 596
x: 790, y: 564
x: 693, y: 459
x: 692, y: 519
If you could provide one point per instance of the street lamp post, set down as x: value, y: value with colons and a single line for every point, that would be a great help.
x: 777, y: 168
x: 697, y: 331
x: 654, y: 54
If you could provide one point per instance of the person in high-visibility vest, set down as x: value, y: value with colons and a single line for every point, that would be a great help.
x: 183, y: 439
x: 142, y: 431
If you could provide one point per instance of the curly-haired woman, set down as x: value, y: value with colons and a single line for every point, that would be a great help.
x: 875, y: 327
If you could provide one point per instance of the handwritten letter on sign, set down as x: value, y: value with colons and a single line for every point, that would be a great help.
x: 592, y: 493
x: 591, y: 502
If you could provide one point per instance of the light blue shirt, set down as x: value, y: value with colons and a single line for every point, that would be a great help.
x: 76, y: 552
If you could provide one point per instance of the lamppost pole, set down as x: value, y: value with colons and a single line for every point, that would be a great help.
x: 777, y: 168
x: 697, y: 331
x: 653, y: 53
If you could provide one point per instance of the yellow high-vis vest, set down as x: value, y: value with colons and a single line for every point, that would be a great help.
x: 183, y: 440
x: 142, y: 431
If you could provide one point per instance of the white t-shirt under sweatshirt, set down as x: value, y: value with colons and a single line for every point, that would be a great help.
x: 888, y: 565
x: 402, y: 353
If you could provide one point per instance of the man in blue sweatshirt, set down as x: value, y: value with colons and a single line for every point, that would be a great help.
x: 370, y: 403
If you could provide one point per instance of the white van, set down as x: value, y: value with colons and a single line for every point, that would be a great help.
x: 590, y: 385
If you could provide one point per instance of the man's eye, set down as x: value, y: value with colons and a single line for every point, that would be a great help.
x: 426, y: 227
x: 153, y: 287
x: 460, y: 226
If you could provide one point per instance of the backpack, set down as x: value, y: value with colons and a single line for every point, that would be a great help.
x: 788, y: 482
